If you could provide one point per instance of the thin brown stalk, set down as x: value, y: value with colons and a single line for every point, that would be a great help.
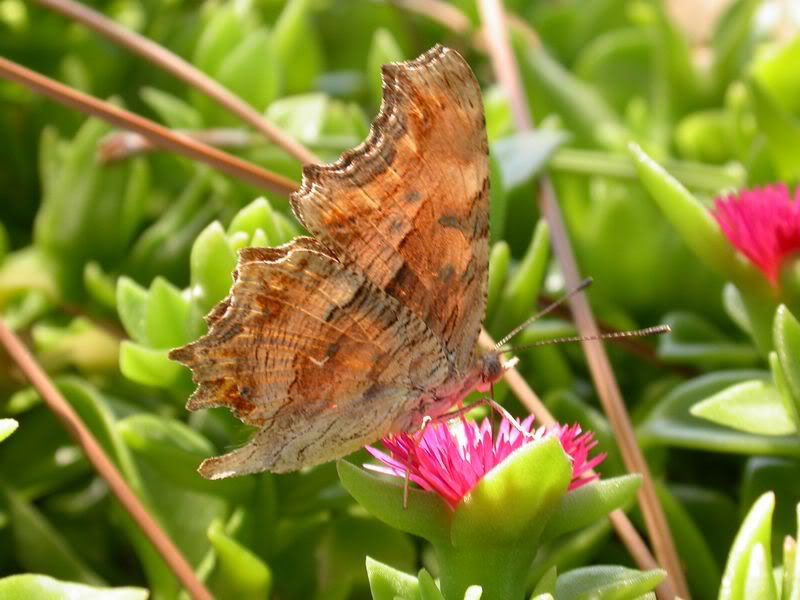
x: 160, y: 136
x: 531, y: 401
x: 102, y: 463
x: 505, y: 66
x: 441, y: 12
x: 123, y: 145
x: 182, y: 69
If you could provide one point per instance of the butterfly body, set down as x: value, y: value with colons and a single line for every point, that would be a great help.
x: 333, y: 341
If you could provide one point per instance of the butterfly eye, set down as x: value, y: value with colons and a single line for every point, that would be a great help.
x: 492, y: 369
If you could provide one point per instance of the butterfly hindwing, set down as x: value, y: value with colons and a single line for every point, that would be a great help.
x: 313, y: 354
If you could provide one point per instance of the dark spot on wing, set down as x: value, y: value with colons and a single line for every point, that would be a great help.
x: 451, y: 222
x: 412, y: 196
x: 446, y: 273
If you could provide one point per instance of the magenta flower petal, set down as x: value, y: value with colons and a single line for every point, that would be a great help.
x: 450, y: 459
x: 763, y: 224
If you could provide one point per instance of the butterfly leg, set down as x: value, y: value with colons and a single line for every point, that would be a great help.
x: 483, y: 401
x: 417, y: 439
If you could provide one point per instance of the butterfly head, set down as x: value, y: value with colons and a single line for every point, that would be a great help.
x: 492, y: 368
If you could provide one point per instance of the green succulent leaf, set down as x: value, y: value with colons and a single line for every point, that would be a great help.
x: 426, y: 515
x: 606, y: 582
x: 514, y: 500
x: 589, y: 503
x: 149, y: 366
x: 428, y: 590
x: 786, y: 337
x: 39, y: 546
x: 7, y: 427
x: 693, y: 222
x: 754, y: 531
x: 522, y: 156
x: 753, y: 406
x: 387, y: 583
x: 671, y: 421
x: 547, y: 583
x: 42, y: 587
x: 238, y: 572
x: 212, y: 263
x: 383, y: 50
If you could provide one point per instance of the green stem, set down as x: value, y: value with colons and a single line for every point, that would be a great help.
x: 501, y: 572
x: 699, y: 176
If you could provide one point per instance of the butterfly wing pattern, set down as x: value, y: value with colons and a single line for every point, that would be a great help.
x: 330, y: 343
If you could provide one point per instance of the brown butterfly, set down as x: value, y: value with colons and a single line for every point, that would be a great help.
x: 332, y: 342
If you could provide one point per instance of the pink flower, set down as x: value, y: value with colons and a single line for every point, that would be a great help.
x: 763, y: 224
x: 451, y: 459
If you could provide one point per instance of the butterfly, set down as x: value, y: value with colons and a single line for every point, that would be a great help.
x: 331, y: 342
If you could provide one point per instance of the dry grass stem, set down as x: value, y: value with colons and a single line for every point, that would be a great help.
x: 102, y: 463
x: 506, y: 69
x: 182, y: 69
x: 158, y: 135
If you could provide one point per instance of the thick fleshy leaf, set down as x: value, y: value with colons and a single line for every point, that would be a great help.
x: 383, y: 50
x: 426, y: 515
x: 773, y: 70
x: 175, y: 451
x: 348, y: 541
x: 39, y: 546
x: 782, y: 132
x: 671, y: 423
x: 780, y: 476
x: 42, y: 587
x: 590, y: 503
x: 428, y: 590
x: 238, y: 573
x: 387, y: 583
x: 606, y: 583
x: 256, y: 215
x: 253, y: 54
x: 173, y: 111
x: 499, y: 260
x: 702, y: 571
x: 132, y: 306
x: 753, y: 406
x: 755, y: 530
x: 524, y: 284
x: 759, y: 581
x: 296, y: 45
x: 149, y: 366
x: 693, y: 221
x: 212, y: 263
x: 786, y: 337
x: 791, y: 565
x: 166, y: 315
x: 498, y: 201
x: 551, y: 87
x: 515, y: 499
x: 474, y: 592
x: 571, y: 550
x: 787, y: 582
x: 783, y: 389
x: 547, y: 583
x: 523, y: 155
x: 7, y: 427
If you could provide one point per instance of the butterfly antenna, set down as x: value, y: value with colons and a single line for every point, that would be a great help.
x: 579, y: 288
x: 657, y: 330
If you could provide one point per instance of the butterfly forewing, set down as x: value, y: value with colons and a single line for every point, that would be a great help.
x: 409, y: 207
